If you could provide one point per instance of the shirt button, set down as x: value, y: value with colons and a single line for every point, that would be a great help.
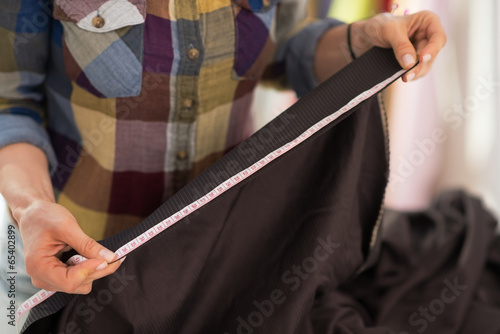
x: 98, y: 22
x: 187, y: 104
x: 193, y: 54
x: 182, y: 155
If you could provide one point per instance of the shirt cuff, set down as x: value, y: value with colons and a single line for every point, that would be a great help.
x: 22, y: 129
x: 298, y: 52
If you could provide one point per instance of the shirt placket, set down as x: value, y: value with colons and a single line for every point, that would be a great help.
x: 191, y: 51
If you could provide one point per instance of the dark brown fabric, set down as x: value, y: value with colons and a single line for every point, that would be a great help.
x: 438, y: 271
x: 205, y: 273
x: 281, y: 251
x: 315, y: 207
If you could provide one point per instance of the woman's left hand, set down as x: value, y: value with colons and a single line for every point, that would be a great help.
x: 418, y: 35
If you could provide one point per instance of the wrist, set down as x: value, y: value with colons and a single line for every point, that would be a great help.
x: 24, y: 178
x: 20, y: 204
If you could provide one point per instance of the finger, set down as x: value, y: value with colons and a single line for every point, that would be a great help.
x: 420, y: 46
x: 71, y: 279
x: 84, y: 289
x: 42, y: 285
x: 436, y: 37
x: 423, y: 72
x: 415, y: 73
x: 67, y: 278
x: 62, y: 251
x: 425, y: 63
x: 108, y: 270
x: 86, y: 246
x: 397, y: 36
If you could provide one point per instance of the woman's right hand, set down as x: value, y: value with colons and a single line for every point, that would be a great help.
x: 48, y: 229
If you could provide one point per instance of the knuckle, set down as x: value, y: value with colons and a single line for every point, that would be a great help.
x: 86, y: 289
x: 71, y: 287
x: 68, y: 286
x: 427, y: 16
x: 30, y: 266
x: 394, y: 31
x: 427, y: 12
x: 389, y: 27
x: 445, y: 39
x: 433, y: 15
x: 88, y: 244
x: 37, y: 283
x: 402, y: 47
x: 83, y: 289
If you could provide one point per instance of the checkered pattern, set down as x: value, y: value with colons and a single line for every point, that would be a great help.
x: 125, y: 113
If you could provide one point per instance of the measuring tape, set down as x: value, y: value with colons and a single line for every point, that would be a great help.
x: 217, y: 191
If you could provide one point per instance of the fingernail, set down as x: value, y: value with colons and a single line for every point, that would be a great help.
x: 107, y: 255
x: 122, y: 259
x: 101, y: 266
x: 410, y: 77
x: 426, y: 58
x: 408, y: 60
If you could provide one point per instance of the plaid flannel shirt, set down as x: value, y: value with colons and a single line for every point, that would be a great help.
x: 131, y: 99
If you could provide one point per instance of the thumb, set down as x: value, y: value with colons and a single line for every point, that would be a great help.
x: 88, y: 247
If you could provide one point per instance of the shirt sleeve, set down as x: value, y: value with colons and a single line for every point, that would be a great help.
x: 296, y: 37
x: 296, y: 55
x: 24, y: 49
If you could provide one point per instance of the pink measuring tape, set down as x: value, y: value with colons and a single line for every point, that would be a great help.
x: 218, y: 190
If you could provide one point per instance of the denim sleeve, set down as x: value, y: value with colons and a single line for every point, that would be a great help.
x: 24, y: 49
x: 23, y: 129
x: 297, y: 55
